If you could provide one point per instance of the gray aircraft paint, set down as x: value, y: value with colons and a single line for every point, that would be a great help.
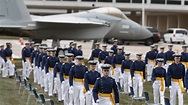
x: 84, y: 25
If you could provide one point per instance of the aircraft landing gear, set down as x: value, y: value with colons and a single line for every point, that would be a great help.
x: 55, y: 43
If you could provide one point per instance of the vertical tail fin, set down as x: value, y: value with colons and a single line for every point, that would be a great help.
x: 14, y: 10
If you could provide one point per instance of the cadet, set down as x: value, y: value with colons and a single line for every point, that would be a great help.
x: 9, y: 62
x: 158, y: 78
x: 70, y: 46
x: 105, y: 88
x: 175, y: 79
x: 34, y: 56
x: 39, y: 64
x: 138, y: 75
x: 108, y: 60
x: 44, y: 60
x: 125, y: 69
x: 102, y: 55
x: 114, y: 47
x: 156, y: 48
x: 64, y: 77
x: 80, y: 53
x: 169, y: 59
x: 161, y: 54
x: 150, y: 61
x: 184, y: 56
x: 116, y: 62
x: 50, y: 63
x: 26, y: 61
x: 76, y: 74
x: 41, y: 68
x: 32, y: 46
x: 95, y: 52
x: 74, y: 50
x: 57, y: 82
x: 2, y: 57
x: 89, y: 81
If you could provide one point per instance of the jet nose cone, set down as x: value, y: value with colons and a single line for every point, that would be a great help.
x: 145, y: 33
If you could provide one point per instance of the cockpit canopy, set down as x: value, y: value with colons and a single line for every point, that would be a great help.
x: 110, y: 11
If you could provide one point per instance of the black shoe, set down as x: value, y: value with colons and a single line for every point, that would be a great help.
x: 10, y: 76
x: 55, y: 95
x: 27, y: 78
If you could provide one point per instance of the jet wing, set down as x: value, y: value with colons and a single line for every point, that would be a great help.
x: 71, y: 20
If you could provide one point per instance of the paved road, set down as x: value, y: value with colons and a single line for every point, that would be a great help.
x: 133, y: 48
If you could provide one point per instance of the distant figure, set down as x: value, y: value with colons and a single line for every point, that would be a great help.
x: 105, y: 91
x: 9, y: 62
x: 159, y: 78
x: 175, y: 79
x: 138, y: 75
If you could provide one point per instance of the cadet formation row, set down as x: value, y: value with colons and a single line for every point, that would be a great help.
x: 109, y: 72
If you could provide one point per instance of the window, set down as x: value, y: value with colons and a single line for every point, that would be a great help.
x: 181, y: 32
x: 169, y: 31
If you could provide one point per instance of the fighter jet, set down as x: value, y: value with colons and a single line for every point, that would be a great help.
x: 99, y: 23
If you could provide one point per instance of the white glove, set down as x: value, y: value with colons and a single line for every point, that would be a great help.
x: 97, y: 101
x: 62, y: 85
x: 32, y: 64
x: 144, y: 81
x: 88, y: 92
x: 133, y: 78
x: 55, y: 80
x: 47, y: 74
x: 187, y: 91
x: 121, y: 76
x: 146, y: 65
x: 71, y: 90
x: 14, y: 65
x: 170, y: 87
x: 62, y: 82
x: 117, y: 103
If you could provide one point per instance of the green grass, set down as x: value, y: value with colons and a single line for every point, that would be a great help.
x: 9, y: 96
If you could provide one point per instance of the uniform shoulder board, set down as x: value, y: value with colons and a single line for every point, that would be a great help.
x: 48, y: 57
x: 100, y: 52
x: 86, y: 66
x: 123, y: 60
x: 93, y: 49
x: 56, y: 62
x: 87, y: 72
x: 72, y: 65
x: 99, y: 78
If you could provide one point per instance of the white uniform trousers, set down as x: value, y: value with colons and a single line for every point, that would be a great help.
x: 9, y: 69
x: 158, y: 94
x: 42, y: 78
x: 65, y: 93
x: 35, y: 74
x: 150, y: 66
x: 176, y: 90
x: 39, y: 75
x: 46, y: 80
x: 138, y: 85
x: 100, y: 69
x: 127, y: 82
x: 89, y: 98
x: 26, y: 68
x: 117, y: 73
x: 2, y: 64
x: 78, y: 94
x: 50, y: 82
x: 104, y: 101
x: 57, y: 87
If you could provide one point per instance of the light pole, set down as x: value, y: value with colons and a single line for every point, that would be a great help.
x: 143, y: 13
